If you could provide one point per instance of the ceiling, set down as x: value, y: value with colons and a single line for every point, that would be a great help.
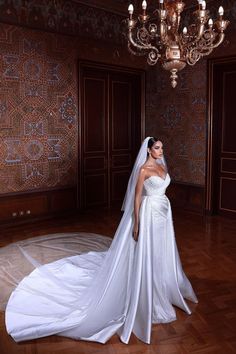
x: 121, y: 6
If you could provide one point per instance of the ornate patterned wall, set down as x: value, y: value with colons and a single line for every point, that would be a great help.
x: 179, y: 116
x: 38, y: 111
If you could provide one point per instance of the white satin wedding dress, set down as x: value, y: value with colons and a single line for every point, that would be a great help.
x: 95, y: 295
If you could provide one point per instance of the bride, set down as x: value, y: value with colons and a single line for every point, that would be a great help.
x: 123, y: 290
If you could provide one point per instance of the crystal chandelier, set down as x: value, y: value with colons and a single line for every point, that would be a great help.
x: 160, y: 38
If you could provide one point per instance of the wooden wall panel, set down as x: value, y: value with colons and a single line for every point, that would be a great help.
x: 119, y: 184
x: 228, y: 110
x: 36, y: 205
x: 228, y: 194
x: 221, y: 163
x: 121, y: 115
x: 95, y: 119
x: 187, y: 197
x: 95, y: 189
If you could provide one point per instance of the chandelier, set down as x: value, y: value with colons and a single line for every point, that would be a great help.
x: 160, y: 36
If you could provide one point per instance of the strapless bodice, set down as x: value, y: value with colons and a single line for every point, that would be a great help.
x: 155, y: 185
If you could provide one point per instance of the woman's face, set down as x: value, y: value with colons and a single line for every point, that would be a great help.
x: 157, y: 150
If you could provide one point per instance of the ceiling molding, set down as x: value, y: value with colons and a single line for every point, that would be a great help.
x: 121, y: 6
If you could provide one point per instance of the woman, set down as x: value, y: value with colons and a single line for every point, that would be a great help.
x: 124, y: 290
x: 149, y: 169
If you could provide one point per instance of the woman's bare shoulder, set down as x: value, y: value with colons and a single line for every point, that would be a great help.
x: 143, y: 169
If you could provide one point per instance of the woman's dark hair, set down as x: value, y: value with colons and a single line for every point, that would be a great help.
x: 151, y: 142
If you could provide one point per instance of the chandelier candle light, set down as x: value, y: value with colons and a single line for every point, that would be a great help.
x: 161, y: 38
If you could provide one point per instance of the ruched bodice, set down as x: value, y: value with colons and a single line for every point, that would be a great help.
x: 155, y: 185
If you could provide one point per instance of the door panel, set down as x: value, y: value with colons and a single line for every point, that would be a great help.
x: 94, y: 172
x: 121, y: 115
x: 95, y: 115
x: 123, y: 139
x: 228, y: 111
x: 95, y: 189
x: 224, y: 142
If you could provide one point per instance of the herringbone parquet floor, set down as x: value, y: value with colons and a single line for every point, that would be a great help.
x: 207, y: 247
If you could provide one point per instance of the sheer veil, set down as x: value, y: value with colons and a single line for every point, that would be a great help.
x: 141, y: 158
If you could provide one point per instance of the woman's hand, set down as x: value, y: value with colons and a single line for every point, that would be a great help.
x: 135, y: 232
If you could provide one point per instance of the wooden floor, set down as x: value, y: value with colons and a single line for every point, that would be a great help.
x: 207, y: 248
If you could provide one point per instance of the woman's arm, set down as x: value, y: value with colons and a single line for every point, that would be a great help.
x: 137, y: 202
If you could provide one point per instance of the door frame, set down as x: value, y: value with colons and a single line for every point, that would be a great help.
x: 110, y: 67
x: 211, y: 149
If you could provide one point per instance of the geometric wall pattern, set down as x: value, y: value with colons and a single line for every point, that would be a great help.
x: 178, y: 117
x: 38, y: 111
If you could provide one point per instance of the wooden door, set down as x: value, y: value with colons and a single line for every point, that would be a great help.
x: 94, y: 137
x: 124, y: 130
x: 223, y: 137
x: 110, y: 133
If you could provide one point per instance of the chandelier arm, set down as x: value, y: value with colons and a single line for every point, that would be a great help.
x: 143, y: 38
x: 193, y: 56
x: 137, y: 53
x: 220, y: 40
x: 146, y: 47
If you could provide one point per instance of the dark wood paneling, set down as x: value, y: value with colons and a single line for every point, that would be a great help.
x: 123, y: 160
x: 94, y: 163
x: 62, y: 200
x: 95, y: 189
x: 22, y: 206
x: 228, y: 110
x: 95, y: 114
x: 228, y: 194
x: 121, y: 115
x: 228, y: 165
x: 187, y: 197
x: 110, y: 131
x: 221, y: 161
x: 94, y: 139
x: 125, y: 119
x: 119, y: 184
x: 37, y: 204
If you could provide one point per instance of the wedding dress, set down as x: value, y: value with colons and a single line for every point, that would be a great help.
x: 94, y: 295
